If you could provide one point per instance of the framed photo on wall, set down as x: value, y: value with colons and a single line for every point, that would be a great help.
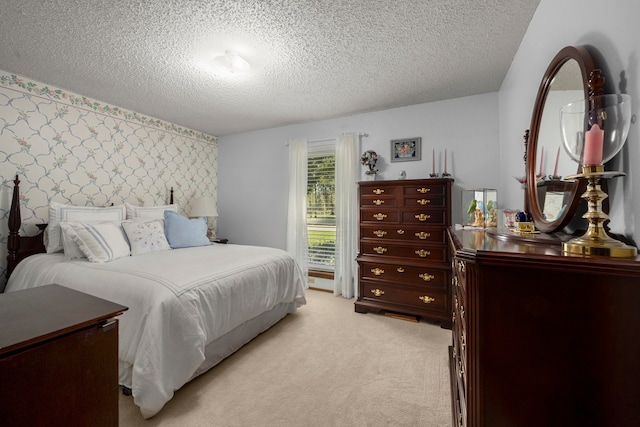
x: 405, y: 150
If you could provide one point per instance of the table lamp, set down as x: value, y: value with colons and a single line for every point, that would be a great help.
x: 204, y: 206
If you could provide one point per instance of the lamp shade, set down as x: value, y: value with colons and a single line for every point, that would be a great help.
x: 203, y: 206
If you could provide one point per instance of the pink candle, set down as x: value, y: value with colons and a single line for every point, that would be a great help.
x: 593, y: 145
x: 555, y: 169
x: 541, y: 159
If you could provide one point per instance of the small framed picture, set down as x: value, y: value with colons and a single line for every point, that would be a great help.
x: 405, y: 150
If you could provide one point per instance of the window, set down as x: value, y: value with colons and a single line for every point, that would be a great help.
x: 321, y: 213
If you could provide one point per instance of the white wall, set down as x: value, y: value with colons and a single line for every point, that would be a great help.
x: 252, y: 167
x: 612, y: 32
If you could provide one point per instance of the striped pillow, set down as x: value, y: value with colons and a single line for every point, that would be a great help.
x: 100, y: 242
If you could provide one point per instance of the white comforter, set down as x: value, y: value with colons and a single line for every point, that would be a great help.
x: 179, y: 301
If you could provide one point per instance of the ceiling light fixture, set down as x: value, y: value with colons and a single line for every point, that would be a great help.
x: 231, y: 63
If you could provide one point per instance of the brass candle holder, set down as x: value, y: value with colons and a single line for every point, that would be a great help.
x: 594, y: 131
x: 596, y: 242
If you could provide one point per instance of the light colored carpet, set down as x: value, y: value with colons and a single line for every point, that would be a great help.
x: 322, y: 366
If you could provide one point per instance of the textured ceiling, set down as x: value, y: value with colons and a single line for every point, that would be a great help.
x: 310, y: 59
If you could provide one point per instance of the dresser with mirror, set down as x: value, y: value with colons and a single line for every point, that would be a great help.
x: 542, y: 337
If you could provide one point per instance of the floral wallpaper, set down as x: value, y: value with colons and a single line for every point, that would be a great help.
x: 70, y: 149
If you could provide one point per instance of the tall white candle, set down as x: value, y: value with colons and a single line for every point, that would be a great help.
x: 445, y: 160
x: 433, y: 162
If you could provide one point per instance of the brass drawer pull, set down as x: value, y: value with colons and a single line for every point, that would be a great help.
x: 380, y: 250
x: 400, y: 231
x: 423, y: 217
x: 461, y: 266
x: 461, y: 311
x: 426, y: 277
x: 380, y: 216
x: 455, y: 280
x: 378, y: 202
x: 377, y: 271
x: 427, y: 299
x: 422, y: 253
x: 423, y: 190
x: 424, y: 201
x: 378, y: 191
x: 380, y: 233
x: 423, y: 235
x: 377, y: 292
x: 463, y: 342
x: 400, y: 270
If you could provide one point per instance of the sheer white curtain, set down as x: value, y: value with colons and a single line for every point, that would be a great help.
x: 297, y: 213
x: 347, y: 174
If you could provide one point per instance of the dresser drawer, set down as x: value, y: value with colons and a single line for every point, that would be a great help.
x: 425, y: 216
x: 425, y: 190
x: 405, y: 233
x: 424, y: 252
x: 426, y: 275
x: 424, y: 202
x: 425, y: 299
x: 379, y: 201
x: 367, y: 189
x: 380, y: 216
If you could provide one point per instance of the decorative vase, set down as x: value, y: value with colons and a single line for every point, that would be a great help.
x: 370, y: 175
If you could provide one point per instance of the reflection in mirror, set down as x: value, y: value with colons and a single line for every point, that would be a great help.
x: 566, y: 87
x: 552, y: 201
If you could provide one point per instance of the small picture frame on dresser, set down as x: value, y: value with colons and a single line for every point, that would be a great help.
x: 406, y: 150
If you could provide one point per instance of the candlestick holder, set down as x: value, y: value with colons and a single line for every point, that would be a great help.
x: 607, y: 118
x: 433, y: 175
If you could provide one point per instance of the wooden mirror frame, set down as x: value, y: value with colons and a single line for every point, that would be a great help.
x: 586, y: 63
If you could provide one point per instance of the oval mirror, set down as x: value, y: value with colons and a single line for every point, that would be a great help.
x: 552, y: 202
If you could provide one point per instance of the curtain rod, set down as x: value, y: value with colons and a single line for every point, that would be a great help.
x: 329, y: 139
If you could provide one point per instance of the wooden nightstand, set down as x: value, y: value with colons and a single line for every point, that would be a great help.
x: 58, y: 358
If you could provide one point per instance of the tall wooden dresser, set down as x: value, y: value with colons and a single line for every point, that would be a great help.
x: 542, y: 339
x: 403, y: 258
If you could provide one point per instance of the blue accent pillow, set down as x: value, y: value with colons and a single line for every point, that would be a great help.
x: 182, y: 232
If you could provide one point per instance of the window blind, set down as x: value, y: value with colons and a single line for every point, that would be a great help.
x: 321, y: 216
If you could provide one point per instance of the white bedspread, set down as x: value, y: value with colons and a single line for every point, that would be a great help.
x: 179, y: 301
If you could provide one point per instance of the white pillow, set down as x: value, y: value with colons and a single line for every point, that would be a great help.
x: 150, y: 212
x: 100, y: 242
x: 59, y: 212
x: 146, y: 236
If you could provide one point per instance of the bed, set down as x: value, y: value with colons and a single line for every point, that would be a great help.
x: 189, y: 307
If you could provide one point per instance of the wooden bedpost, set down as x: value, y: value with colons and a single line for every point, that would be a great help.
x: 13, y: 242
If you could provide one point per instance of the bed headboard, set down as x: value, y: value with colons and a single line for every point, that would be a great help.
x: 20, y: 247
